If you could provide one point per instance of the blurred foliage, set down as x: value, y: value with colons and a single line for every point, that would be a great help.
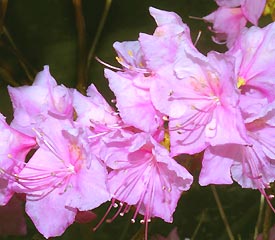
x: 36, y: 33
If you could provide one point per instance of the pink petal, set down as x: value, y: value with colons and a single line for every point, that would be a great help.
x: 49, y: 214
x: 253, y: 9
x: 216, y: 165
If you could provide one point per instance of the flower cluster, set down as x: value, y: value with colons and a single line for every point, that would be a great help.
x: 68, y: 152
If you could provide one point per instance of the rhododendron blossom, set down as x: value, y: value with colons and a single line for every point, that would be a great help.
x: 252, y: 165
x: 255, y: 58
x: 32, y: 104
x: 67, y: 153
x: 231, y: 17
x: 144, y: 175
x: 63, y: 174
x: 14, y: 146
x: 202, y: 103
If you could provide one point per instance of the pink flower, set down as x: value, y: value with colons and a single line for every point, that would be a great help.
x: 93, y: 108
x: 231, y: 17
x: 161, y: 48
x: 14, y: 146
x: 144, y: 175
x: 32, y: 104
x: 95, y: 116
x: 227, y: 24
x: 131, y: 88
x: 201, y: 101
x: 252, y: 165
x: 62, y: 177
x: 141, y: 60
x: 255, y: 58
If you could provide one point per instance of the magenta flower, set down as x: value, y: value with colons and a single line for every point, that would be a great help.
x: 201, y: 101
x: 144, y: 175
x: 14, y: 146
x: 32, y: 104
x: 227, y: 24
x: 93, y: 109
x: 141, y: 60
x: 161, y: 48
x: 251, y: 165
x: 131, y: 88
x: 231, y: 17
x: 254, y: 69
x: 62, y: 177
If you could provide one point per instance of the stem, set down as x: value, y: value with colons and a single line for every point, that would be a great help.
x: 7, y: 77
x: 266, y: 224
x: 23, y: 62
x: 3, y: 10
x: 81, y: 33
x: 126, y: 228
x: 223, y: 216
x: 99, y: 31
x: 199, y: 225
x: 260, y: 216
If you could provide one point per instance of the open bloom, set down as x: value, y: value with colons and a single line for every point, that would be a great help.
x: 62, y: 177
x: 14, y: 146
x: 251, y: 165
x: 141, y: 61
x: 201, y: 101
x: 255, y: 58
x: 144, y: 175
x: 231, y: 17
x: 32, y: 104
x: 131, y: 88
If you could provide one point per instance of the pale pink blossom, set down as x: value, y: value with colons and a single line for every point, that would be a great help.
x: 32, y: 104
x: 145, y: 176
x: 141, y: 61
x: 254, y: 68
x: 251, y: 165
x: 201, y: 101
x: 62, y: 177
x: 231, y: 18
x: 14, y: 146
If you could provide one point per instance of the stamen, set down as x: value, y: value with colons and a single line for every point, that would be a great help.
x: 198, y: 37
x: 105, y: 215
x: 107, y: 65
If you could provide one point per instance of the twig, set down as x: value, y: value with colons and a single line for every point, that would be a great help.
x: 266, y: 223
x: 199, y: 225
x: 7, y: 77
x: 99, y: 31
x: 260, y: 216
x: 18, y: 54
x: 3, y: 10
x: 81, y: 63
x: 223, y: 216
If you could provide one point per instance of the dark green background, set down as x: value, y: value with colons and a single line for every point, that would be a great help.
x: 44, y: 31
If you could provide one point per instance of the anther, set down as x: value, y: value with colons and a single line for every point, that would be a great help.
x: 165, y: 118
x: 115, y: 205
